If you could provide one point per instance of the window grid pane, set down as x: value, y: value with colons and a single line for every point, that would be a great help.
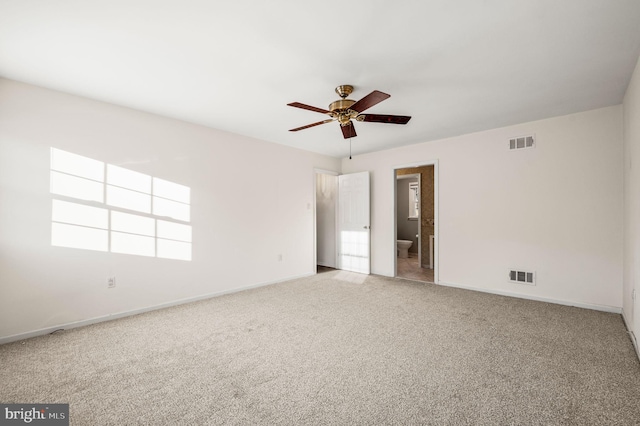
x: 171, y: 191
x: 77, y: 165
x: 127, y: 199
x: 80, y: 237
x: 79, y: 214
x: 133, y: 224
x: 132, y: 244
x: 128, y: 179
x: 76, y: 187
x: 168, y: 208
x: 78, y: 225
x: 178, y: 250
x: 174, y: 231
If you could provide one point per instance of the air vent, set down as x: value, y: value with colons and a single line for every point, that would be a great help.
x: 522, y: 277
x: 522, y: 142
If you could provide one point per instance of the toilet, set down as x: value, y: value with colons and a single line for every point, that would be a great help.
x: 403, y: 248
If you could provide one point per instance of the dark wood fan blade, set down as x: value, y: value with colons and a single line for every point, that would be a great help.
x: 309, y: 107
x: 381, y: 118
x: 370, y: 100
x: 348, y: 131
x: 312, y: 125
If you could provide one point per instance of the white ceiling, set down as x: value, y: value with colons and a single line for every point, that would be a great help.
x: 455, y: 66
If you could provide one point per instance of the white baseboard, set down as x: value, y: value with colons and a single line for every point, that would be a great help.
x: 632, y: 335
x: 593, y: 306
x: 109, y: 317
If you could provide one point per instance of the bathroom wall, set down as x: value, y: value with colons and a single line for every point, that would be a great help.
x: 407, y: 229
x: 426, y: 204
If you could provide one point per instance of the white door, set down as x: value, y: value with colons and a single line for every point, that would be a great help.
x: 353, y: 223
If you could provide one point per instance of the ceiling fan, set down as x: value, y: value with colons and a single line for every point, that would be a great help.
x: 345, y: 110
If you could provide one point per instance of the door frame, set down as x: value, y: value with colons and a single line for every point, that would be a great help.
x: 436, y: 216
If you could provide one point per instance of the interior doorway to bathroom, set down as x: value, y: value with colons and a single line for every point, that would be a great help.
x: 415, y: 222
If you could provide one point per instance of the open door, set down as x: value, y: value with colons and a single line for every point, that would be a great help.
x: 354, y: 242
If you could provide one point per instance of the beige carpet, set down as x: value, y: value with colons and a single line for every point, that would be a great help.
x: 338, y: 349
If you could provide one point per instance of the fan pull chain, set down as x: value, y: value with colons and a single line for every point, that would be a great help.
x: 349, y: 148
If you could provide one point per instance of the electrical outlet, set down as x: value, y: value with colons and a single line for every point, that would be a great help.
x: 111, y: 282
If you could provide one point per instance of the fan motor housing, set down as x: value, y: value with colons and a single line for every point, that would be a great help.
x: 341, y: 105
x: 340, y: 110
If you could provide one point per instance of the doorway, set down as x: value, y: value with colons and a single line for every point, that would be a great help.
x: 415, y: 222
x: 326, y: 220
x: 342, y: 221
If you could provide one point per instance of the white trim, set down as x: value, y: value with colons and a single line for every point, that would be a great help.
x: 632, y: 335
x: 109, y: 317
x: 436, y: 219
x: 411, y: 176
x: 414, y: 165
x: 432, y: 243
x: 592, y: 306
x: 326, y: 172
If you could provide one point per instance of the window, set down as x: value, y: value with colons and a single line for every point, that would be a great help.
x: 98, y: 206
x: 414, y: 200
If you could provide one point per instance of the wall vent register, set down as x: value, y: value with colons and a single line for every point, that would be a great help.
x: 103, y: 207
x: 522, y: 277
x: 522, y: 142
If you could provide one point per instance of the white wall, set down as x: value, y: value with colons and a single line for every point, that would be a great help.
x: 555, y: 209
x: 631, y: 310
x: 238, y: 230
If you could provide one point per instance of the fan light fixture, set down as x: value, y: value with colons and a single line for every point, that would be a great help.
x: 345, y: 110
